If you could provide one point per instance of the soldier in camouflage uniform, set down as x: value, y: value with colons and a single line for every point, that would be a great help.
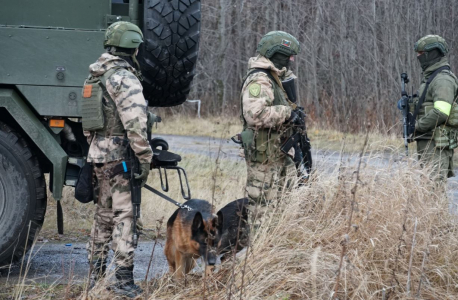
x: 267, y: 117
x: 432, y: 133
x: 125, y: 115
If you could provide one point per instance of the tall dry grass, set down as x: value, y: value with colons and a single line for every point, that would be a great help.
x: 400, y: 243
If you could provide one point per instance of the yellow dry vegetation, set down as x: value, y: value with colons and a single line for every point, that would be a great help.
x: 321, y: 138
x: 383, y: 232
x: 379, y: 235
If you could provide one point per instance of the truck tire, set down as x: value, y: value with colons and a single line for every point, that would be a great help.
x: 169, y: 54
x: 22, y: 196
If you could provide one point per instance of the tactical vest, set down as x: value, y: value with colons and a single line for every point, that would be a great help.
x: 445, y: 135
x: 264, y: 144
x: 98, y: 110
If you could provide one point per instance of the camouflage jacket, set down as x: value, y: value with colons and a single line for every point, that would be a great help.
x: 438, y: 100
x: 258, y: 108
x: 126, y: 91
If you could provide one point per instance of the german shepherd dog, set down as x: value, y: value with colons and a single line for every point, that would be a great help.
x: 235, y: 228
x: 190, y: 235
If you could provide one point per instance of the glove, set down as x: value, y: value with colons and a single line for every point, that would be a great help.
x: 293, y: 118
x: 143, y: 176
x: 300, y: 111
x: 300, y: 117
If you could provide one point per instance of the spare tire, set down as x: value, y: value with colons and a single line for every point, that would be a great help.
x: 169, y: 54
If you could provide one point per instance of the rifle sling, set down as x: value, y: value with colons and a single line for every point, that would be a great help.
x: 125, y: 167
x: 423, y: 95
x: 151, y: 189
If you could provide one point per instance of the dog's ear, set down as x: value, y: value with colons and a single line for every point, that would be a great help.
x: 198, y: 222
x: 219, y: 221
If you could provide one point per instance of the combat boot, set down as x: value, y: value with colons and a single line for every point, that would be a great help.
x: 98, y: 272
x: 125, y: 285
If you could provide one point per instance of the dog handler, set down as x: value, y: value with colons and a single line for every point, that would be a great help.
x: 267, y: 118
x: 115, y: 117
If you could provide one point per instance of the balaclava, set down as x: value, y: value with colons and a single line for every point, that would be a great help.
x: 280, y: 60
x: 429, y: 58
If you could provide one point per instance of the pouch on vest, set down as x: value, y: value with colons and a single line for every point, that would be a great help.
x: 441, y: 137
x: 453, y: 139
x: 92, y: 107
x: 247, y: 136
x: 261, y: 140
x: 84, y: 191
x: 267, y: 146
x: 453, y: 118
x: 428, y: 107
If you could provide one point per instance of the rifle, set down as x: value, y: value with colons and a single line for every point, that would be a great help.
x: 135, y: 190
x: 135, y: 184
x: 299, y: 140
x: 408, y: 121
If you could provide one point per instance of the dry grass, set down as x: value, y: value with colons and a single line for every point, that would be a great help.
x: 321, y: 138
x: 296, y: 253
x: 185, y: 125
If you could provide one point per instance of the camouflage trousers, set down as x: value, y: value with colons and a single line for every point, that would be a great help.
x: 113, y: 219
x: 266, y: 180
x: 441, y: 159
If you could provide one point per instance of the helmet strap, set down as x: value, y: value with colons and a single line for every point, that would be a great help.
x: 138, y: 71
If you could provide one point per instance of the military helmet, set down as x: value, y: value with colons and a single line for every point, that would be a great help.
x: 123, y: 34
x: 278, y: 41
x: 430, y: 42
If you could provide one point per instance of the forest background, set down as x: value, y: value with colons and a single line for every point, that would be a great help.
x: 353, y: 52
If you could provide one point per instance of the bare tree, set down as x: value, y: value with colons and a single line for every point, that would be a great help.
x: 352, y: 53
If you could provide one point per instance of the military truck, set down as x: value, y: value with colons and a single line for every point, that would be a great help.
x: 46, y: 47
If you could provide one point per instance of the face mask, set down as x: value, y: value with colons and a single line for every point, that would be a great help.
x: 280, y: 60
x: 429, y: 58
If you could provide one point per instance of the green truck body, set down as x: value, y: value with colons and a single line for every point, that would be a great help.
x: 46, y: 47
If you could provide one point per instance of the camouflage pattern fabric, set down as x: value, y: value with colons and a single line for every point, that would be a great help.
x: 264, y: 181
x: 278, y: 42
x: 430, y: 42
x: 258, y: 96
x: 441, y: 93
x: 126, y: 91
x: 434, y: 112
x: 113, y: 219
x: 441, y: 159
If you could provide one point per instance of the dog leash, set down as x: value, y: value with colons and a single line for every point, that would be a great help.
x: 151, y: 189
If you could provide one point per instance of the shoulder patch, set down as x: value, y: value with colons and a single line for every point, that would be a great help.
x: 255, y: 89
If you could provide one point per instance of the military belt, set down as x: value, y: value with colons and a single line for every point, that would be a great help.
x: 123, y: 167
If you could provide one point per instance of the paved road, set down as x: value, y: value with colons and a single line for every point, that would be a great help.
x: 56, y: 262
